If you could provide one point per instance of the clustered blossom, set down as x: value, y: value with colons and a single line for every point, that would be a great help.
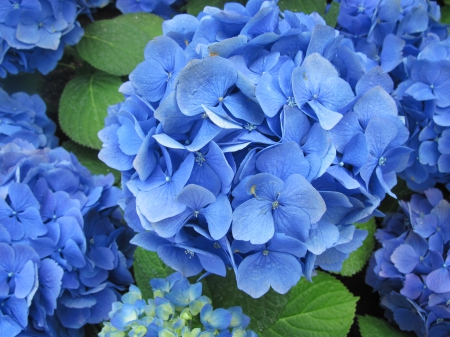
x: 252, y: 139
x: 411, y: 270
x: 174, y: 312
x: 23, y: 116
x: 34, y: 33
x: 64, y: 248
x: 406, y: 40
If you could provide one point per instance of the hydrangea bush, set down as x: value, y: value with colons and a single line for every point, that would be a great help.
x: 34, y: 33
x: 65, y: 249
x: 177, y: 309
x: 410, y: 270
x: 23, y: 116
x: 406, y: 39
x: 252, y: 138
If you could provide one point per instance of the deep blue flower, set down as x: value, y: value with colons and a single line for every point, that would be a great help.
x: 324, y: 91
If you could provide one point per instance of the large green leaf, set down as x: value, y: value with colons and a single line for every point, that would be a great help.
x: 263, y: 311
x: 117, y: 46
x: 148, y: 265
x: 305, y: 6
x: 445, y: 13
x: 332, y: 14
x: 324, y: 308
x: 83, y: 106
x: 374, y: 327
x: 358, y: 258
x: 89, y: 158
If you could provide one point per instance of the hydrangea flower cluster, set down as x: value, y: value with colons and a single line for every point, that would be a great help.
x: 411, y: 270
x: 253, y: 139
x: 34, y: 33
x: 406, y: 40
x: 174, y: 312
x: 23, y: 116
x: 64, y: 249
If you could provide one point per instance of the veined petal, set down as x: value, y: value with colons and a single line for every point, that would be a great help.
x: 253, y: 221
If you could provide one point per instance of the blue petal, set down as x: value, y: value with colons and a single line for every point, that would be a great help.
x: 269, y: 95
x: 439, y: 280
x: 244, y: 108
x: 324, y: 236
x: 264, y: 186
x: 195, y: 197
x: 260, y: 271
x: 218, y: 216
x: 282, y: 160
x: 25, y: 280
x: 204, y: 82
x: 301, y: 195
x: 180, y: 260
x: 294, y: 124
x: 253, y: 221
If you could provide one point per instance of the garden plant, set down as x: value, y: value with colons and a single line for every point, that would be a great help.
x: 235, y: 169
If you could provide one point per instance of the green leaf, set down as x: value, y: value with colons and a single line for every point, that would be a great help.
x: 332, y: 14
x: 148, y: 265
x: 89, y: 158
x: 324, y: 308
x: 445, y: 13
x: 374, y: 327
x: 83, y: 106
x: 194, y: 7
x: 117, y: 46
x: 263, y: 311
x: 357, y: 260
x: 150, y: 24
x: 305, y: 6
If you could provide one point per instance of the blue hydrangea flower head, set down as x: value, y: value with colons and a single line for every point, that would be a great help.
x: 23, y: 116
x: 171, y: 314
x: 65, y: 251
x: 250, y: 133
x: 410, y: 270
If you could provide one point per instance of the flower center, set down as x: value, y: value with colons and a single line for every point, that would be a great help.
x: 291, y: 101
x: 265, y: 252
x: 250, y: 127
x: 382, y: 161
x: 275, y: 204
x: 190, y: 253
x: 200, y: 159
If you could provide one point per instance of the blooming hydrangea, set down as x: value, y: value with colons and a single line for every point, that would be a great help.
x: 64, y: 249
x: 253, y: 139
x: 411, y: 270
x: 406, y: 40
x: 34, y: 33
x: 174, y: 312
x: 23, y: 116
